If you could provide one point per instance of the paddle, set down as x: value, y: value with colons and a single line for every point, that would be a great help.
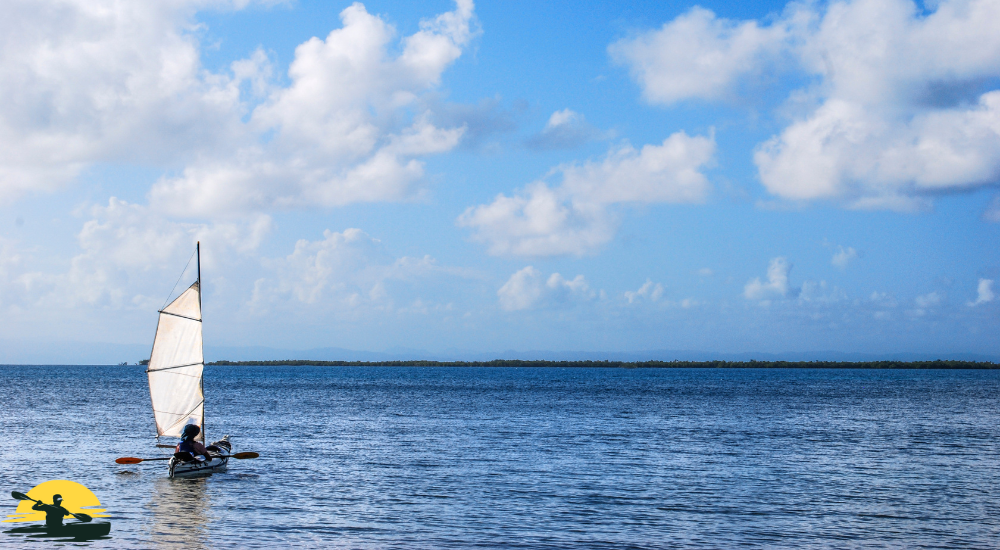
x: 22, y: 496
x: 133, y: 460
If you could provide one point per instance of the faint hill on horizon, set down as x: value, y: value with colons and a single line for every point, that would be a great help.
x: 90, y: 353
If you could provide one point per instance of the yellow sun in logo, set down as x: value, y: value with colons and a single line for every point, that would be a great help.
x: 76, y: 498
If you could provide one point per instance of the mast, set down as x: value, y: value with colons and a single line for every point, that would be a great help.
x: 201, y: 383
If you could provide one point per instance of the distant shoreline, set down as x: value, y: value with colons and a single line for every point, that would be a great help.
x: 938, y: 364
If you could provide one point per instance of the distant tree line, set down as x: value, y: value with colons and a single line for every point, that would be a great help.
x: 752, y: 364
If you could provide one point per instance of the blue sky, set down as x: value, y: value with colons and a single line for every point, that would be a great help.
x: 606, y: 177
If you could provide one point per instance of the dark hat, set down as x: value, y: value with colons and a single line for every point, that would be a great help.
x: 190, y: 431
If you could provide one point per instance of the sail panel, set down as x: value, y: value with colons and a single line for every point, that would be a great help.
x: 178, y: 399
x: 176, y: 365
x: 177, y: 343
x: 188, y: 304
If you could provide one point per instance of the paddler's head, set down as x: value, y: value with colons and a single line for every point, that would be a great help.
x: 190, y: 432
x: 56, y: 499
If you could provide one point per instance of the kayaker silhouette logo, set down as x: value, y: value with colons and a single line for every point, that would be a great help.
x: 49, y: 503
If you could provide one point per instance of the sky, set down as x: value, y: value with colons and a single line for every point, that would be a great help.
x: 429, y: 176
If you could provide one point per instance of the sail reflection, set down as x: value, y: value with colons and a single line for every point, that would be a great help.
x: 180, y: 511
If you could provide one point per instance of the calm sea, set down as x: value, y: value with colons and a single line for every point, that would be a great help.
x: 528, y: 458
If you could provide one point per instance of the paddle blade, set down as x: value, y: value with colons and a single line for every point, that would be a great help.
x: 246, y: 455
x: 20, y: 496
x: 128, y: 460
x: 82, y: 517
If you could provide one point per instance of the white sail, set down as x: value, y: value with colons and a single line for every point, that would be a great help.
x: 176, y: 365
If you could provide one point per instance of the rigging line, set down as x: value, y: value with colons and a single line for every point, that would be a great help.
x: 178, y: 280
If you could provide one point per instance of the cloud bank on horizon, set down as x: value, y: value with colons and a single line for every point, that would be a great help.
x: 396, y: 174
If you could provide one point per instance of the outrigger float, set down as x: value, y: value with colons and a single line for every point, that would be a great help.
x: 176, y: 375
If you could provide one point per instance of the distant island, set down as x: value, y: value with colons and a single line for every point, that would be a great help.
x: 751, y: 364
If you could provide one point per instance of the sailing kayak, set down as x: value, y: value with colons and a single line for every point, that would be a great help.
x: 91, y: 530
x: 190, y: 468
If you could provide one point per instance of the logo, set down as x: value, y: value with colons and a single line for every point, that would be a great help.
x: 59, y: 509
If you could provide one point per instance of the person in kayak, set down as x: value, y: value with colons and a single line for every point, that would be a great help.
x: 54, y: 513
x: 189, y: 445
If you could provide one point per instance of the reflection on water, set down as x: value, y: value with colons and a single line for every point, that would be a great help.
x: 180, y: 512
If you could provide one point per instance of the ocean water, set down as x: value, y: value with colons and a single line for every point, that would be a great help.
x: 527, y: 458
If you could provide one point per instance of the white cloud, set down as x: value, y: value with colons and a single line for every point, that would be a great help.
x: 565, y: 129
x: 925, y: 302
x: 125, y: 252
x: 776, y: 285
x: 341, y: 263
x: 333, y: 135
x: 985, y: 293
x: 901, y: 107
x: 697, y: 55
x: 103, y: 81
x: 705, y: 272
x: 882, y: 305
x: 843, y: 257
x: 648, y: 291
x: 813, y: 292
x: 344, y: 274
x: 928, y: 300
x: 573, y: 218
x: 992, y: 212
x: 526, y: 290
x: 860, y: 154
x: 85, y: 81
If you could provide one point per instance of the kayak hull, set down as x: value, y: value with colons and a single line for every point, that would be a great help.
x: 81, y: 530
x: 214, y: 464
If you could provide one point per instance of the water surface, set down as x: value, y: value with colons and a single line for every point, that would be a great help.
x: 398, y: 457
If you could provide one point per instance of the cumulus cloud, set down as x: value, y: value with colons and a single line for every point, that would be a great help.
x: 86, y: 82
x: 341, y: 263
x: 925, y: 303
x: 843, y: 256
x: 860, y: 154
x: 901, y: 102
x: 985, y: 293
x: 347, y: 270
x: 528, y: 289
x: 813, y: 292
x: 565, y: 129
x: 574, y: 217
x: 776, y: 285
x: 697, y: 55
x: 333, y: 135
x: 126, y: 250
x: 648, y: 291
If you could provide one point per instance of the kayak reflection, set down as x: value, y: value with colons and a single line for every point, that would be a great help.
x: 180, y: 510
